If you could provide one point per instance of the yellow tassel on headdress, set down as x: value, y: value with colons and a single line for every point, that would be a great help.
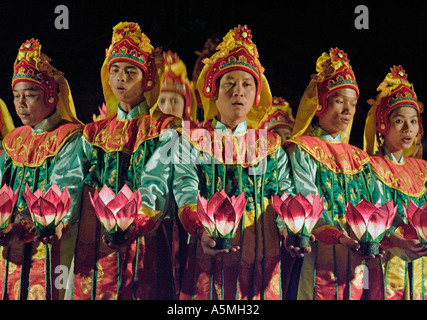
x: 6, y: 120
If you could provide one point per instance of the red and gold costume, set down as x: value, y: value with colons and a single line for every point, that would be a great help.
x: 119, y: 148
x: 401, y: 180
x: 50, y: 152
x: 214, y: 159
x: 329, y: 166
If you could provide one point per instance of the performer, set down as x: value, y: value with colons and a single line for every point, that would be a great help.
x: 119, y: 149
x: 226, y: 156
x: 176, y: 96
x: 279, y: 119
x: 392, y: 126
x: 47, y: 149
x: 324, y: 163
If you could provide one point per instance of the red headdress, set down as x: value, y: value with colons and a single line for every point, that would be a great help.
x: 334, y: 73
x: 176, y: 80
x: 278, y: 115
x: 31, y: 65
x: 130, y: 45
x: 395, y: 91
x: 235, y: 52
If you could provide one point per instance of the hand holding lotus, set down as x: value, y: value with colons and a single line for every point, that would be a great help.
x: 220, y: 217
x: 300, y: 215
x: 369, y: 223
x: 413, y: 246
x: 296, y: 251
x: 208, y: 246
x: 47, y: 211
x: 10, y: 233
x: 117, y: 214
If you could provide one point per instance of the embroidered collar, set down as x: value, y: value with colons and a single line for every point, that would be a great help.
x: 322, y: 134
x: 48, y: 123
x: 136, y: 112
x: 222, y: 128
x: 390, y: 156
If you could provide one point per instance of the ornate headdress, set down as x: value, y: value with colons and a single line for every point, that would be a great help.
x: 278, y: 115
x: 31, y: 65
x: 235, y: 52
x: 395, y: 91
x: 176, y: 80
x: 130, y: 45
x: 334, y: 73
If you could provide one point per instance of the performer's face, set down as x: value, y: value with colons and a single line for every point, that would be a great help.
x: 284, y: 132
x: 126, y: 82
x: 340, y: 112
x: 29, y: 103
x: 404, y: 128
x: 172, y: 103
x: 235, y: 96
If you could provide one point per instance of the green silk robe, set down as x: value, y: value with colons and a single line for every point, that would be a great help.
x: 119, y: 150
x: 253, y: 272
x: 340, y: 173
x: 26, y: 272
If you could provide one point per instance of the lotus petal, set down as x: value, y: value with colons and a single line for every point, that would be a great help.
x: 104, y: 214
x: 207, y: 221
x: 225, y: 217
x: 355, y: 220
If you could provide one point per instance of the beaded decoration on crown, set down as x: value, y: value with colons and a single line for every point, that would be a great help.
x: 278, y: 115
x: 395, y: 91
x: 235, y: 52
x: 31, y: 65
x: 334, y: 73
x: 130, y: 45
x: 176, y: 79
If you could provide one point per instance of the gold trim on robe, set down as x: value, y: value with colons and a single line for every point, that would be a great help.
x: 408, y: 177
x: 339, y: 157
x: 115, y: 134
x: 31, y: 150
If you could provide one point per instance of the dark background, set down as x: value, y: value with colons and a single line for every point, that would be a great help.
x: 290, y: 36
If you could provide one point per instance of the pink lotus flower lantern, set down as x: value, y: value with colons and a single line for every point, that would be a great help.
x: 417, y: 217
x: 116, y: 213
x: 7, y: 202
x: 369, y: 223
x: 47, y: 209
x: 221, y: 216
x: 300, y: 214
